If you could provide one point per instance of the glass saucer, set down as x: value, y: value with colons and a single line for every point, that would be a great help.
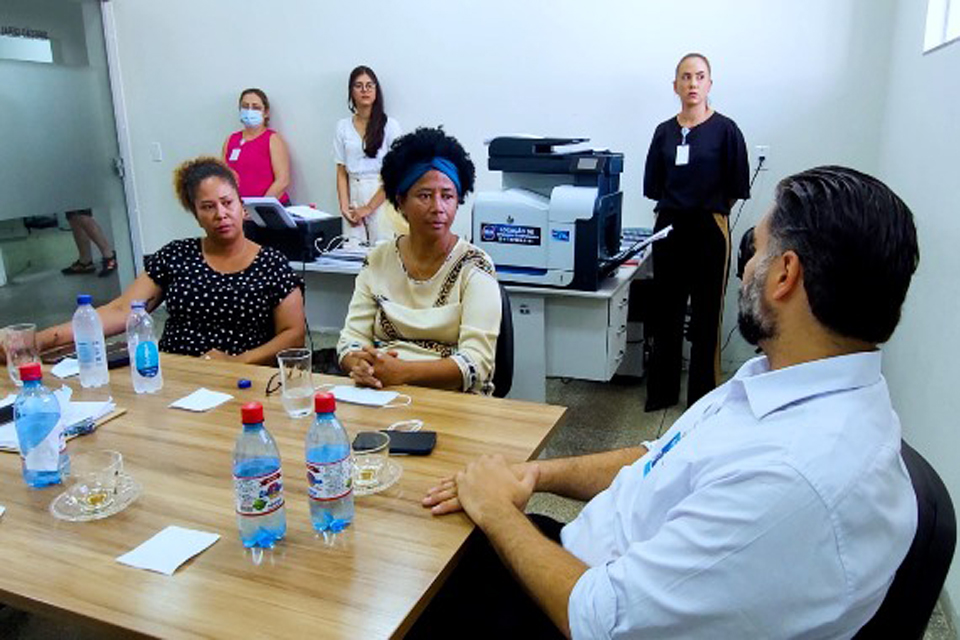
x: 66, y: 506
x: 389, y: 475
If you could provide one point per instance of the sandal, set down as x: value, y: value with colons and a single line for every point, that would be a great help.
x: 108, y: 265
x: 77, y: 268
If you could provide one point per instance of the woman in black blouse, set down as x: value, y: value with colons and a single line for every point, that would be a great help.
x: 227, y: 297
x: 696, y: 169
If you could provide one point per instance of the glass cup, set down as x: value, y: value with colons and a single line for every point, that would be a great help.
x: 296, y: 380
x: 369, y: 463
x: 20, y: 343
x: 94, y: 476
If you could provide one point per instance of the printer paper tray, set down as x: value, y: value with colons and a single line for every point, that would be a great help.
x: 549, y: 278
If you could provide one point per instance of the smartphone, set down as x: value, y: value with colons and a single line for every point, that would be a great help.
x: 6, y: 414
x: 414, y: 443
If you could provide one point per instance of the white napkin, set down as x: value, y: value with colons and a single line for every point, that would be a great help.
x: 362, y: 395
x: 201, y: 400
x: 168, y: 549
x: 10, y: 399
x: 66, y: 368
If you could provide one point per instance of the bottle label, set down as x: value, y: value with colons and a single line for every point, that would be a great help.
x: 330, y: 480
x: 45, y: 456
x: 259, y: 495
x: 90, y: 351
x: 147, y: 359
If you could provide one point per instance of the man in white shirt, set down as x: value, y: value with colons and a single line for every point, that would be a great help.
x: 776, y: 506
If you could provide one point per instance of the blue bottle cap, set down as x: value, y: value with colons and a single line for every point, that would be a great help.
x: 243, y: 383
x: 84, y: 298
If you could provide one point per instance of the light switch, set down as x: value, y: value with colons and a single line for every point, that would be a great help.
x: 156, y: 152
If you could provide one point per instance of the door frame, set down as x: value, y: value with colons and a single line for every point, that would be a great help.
x: 123, y: 133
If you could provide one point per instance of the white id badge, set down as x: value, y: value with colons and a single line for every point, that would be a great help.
x: 235, y: 155
x: 683, y: 154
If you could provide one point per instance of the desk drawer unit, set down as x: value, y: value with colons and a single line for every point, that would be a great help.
x: 586, y: 337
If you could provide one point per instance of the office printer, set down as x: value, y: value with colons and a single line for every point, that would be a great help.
x: 271, y: 225
x: 557, y: 220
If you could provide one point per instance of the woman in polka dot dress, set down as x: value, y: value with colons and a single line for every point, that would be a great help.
x: 227, y: 297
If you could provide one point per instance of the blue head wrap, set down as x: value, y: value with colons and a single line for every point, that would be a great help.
x: 415, y: 172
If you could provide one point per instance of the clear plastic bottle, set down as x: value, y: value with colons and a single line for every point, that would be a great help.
x: 258, y: 482
x: 329, y: 469
x: 91, y: 347
x: 144, y: 352
x: 43, y: 448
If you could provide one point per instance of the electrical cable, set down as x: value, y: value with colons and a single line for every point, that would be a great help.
x: 743, y: 203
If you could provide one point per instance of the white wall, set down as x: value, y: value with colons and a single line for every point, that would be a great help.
x: 806, y: 78
x: 919, y: 160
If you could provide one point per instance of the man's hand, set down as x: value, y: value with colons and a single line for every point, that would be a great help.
x: 488, y: 487
x: 442, y: 498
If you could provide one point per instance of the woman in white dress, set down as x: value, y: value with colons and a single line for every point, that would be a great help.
x: 360, y: 143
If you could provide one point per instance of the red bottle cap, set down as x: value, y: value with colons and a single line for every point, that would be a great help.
x: 251, y: 413
x: 31, y: 371
x: 324, y: 403
x: 313, y: 205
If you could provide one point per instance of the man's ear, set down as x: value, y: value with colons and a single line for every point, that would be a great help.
x: 788, y: 275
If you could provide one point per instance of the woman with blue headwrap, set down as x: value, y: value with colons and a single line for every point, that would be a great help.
x: 426, y: 307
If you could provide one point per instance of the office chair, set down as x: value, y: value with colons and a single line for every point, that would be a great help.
x: 907, y: 607
x: 503, y: 362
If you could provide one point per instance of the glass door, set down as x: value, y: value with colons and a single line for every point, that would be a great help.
x: 64, y: 227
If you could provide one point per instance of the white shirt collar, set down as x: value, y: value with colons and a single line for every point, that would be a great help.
x: 768, y: 390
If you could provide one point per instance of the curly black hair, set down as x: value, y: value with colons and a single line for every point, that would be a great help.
x: 423, y: 145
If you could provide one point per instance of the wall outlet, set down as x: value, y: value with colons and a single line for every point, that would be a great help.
x: 763, y: 156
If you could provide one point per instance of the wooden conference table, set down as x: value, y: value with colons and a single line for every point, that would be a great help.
x: 373, y: 581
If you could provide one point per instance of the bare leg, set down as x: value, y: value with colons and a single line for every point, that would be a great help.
x: 81, y: 238
x: 95, y: 233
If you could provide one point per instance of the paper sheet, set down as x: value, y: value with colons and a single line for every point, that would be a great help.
x: 201, y: 400
x: 168, y: 549
x: 66, y: 368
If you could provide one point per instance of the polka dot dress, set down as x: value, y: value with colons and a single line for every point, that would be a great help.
x: 232, y: 312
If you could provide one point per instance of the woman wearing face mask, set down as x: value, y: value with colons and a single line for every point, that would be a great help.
x: 227, y: 297
x: 256, y: 153
x: 358, y: 147
x: 696, y: 169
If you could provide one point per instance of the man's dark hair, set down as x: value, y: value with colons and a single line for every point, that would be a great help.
x: 423, y: 145
x: 857, y: 243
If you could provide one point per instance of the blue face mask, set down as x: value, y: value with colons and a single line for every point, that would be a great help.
x: 251, y: 117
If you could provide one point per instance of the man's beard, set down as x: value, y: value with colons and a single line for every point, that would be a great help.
x: 755, y: 319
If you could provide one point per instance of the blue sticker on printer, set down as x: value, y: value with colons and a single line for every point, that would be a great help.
x: 510, y: 234
x: 563, y: 235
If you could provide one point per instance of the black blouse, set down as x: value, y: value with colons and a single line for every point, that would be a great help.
x: 716, y: 174
x: 232, y: 312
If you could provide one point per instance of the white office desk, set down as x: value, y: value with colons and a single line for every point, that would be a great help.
x: 556, y: 332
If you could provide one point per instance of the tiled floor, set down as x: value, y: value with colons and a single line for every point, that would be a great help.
x: 49, y: 297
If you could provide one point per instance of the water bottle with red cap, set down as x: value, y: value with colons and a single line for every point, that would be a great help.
x: 36, y: 414
x: 258, y: 482
x: 329, y: 469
